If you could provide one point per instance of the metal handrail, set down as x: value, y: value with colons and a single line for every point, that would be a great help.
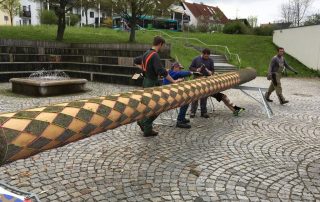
x: 228, y: 54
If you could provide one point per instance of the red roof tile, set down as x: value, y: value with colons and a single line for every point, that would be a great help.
x: 207, y: 11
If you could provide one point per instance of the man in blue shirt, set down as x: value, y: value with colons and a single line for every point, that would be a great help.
x: 176, y: 73
x: 204, y: 65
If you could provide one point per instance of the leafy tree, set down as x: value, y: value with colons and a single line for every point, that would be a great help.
x: 11, y: 7
x: 133, y: 10
x: 61, y: 8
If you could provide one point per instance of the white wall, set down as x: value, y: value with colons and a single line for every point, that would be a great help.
x: 193, y: 20
x: 303, y: 43
x: 90, y: 20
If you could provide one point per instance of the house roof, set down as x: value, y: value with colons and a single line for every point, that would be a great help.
x: 207, y: 11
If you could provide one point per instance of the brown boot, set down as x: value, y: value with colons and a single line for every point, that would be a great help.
x: 284, y: 102
x: 151, y: 134
x: 267, y: 96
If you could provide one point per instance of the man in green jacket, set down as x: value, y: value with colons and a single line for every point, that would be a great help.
x: 277, y: 66
x: 152, y: 69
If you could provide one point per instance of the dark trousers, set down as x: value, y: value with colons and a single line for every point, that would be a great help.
x: 275, y: 85
x: 203, y: 106
x: 182, y: 113
x: 148, y: 121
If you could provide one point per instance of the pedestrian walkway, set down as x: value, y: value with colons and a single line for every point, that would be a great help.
x: 245, y: 158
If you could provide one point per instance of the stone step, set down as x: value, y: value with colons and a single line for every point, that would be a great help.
x: 90, y: 67
x: 77, y: 51
x: 128, y: 61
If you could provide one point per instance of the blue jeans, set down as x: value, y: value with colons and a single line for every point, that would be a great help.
x: 182, y: 113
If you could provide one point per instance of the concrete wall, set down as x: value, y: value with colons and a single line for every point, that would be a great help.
x: 303, y: 43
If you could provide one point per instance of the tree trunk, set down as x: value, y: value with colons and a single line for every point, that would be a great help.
x: 133, y: 31
x: 133, y: 22
x: 61, y: 23
x: 11, y: 19
x: 86, y: 13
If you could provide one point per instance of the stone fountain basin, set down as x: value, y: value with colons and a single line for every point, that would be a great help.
x: 40, y: 87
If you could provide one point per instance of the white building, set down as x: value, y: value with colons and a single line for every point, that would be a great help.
x: 30, y: 12
x: 199, y: 11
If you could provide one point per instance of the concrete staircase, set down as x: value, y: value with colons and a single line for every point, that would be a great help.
x: 95, y: 62
x: 221, y: 64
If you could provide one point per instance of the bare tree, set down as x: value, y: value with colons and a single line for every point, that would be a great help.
x: 11, y: 7
x: 300, y: 9
x: 287, y: 12
x: 294, y: 11
x: 253, y: 21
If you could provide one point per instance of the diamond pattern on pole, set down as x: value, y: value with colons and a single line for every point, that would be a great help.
x: 31, y: 131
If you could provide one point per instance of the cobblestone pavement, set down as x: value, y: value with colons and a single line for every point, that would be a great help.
x: 224, y: 157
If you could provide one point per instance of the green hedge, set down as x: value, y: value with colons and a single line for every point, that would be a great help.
x: 48, y: 17
x: 236, y: 28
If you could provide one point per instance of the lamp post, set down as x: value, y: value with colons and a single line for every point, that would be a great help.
x: 99, y: 14
x: 81, y: 13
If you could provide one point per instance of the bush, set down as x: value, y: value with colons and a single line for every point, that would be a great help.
x: 203, y: 27
x: 48, y: 17
x: 236, y: 28
x: 216, y: 28
x: 107, y: 22
x: 74, y: 19
x: 264, y: 31
x: 190, y: 28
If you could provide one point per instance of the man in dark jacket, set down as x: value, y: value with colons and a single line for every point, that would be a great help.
x: 152, y: 68
x: 204, y: 65
x: 277, y: 65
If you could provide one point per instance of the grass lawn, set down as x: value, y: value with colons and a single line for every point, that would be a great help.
x: 254, y: 51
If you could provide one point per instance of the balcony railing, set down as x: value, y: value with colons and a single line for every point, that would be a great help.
x: 25, y: 14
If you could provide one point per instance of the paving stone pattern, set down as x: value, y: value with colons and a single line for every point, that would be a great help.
x: 247, y: 158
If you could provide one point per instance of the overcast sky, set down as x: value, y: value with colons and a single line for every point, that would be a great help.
x: 265, y: 10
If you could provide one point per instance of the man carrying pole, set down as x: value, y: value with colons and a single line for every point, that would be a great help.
x: 152, y: 69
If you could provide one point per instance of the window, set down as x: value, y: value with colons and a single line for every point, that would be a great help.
x: 24, y: 8
x: 91, y: 14
x: 6, y: 18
